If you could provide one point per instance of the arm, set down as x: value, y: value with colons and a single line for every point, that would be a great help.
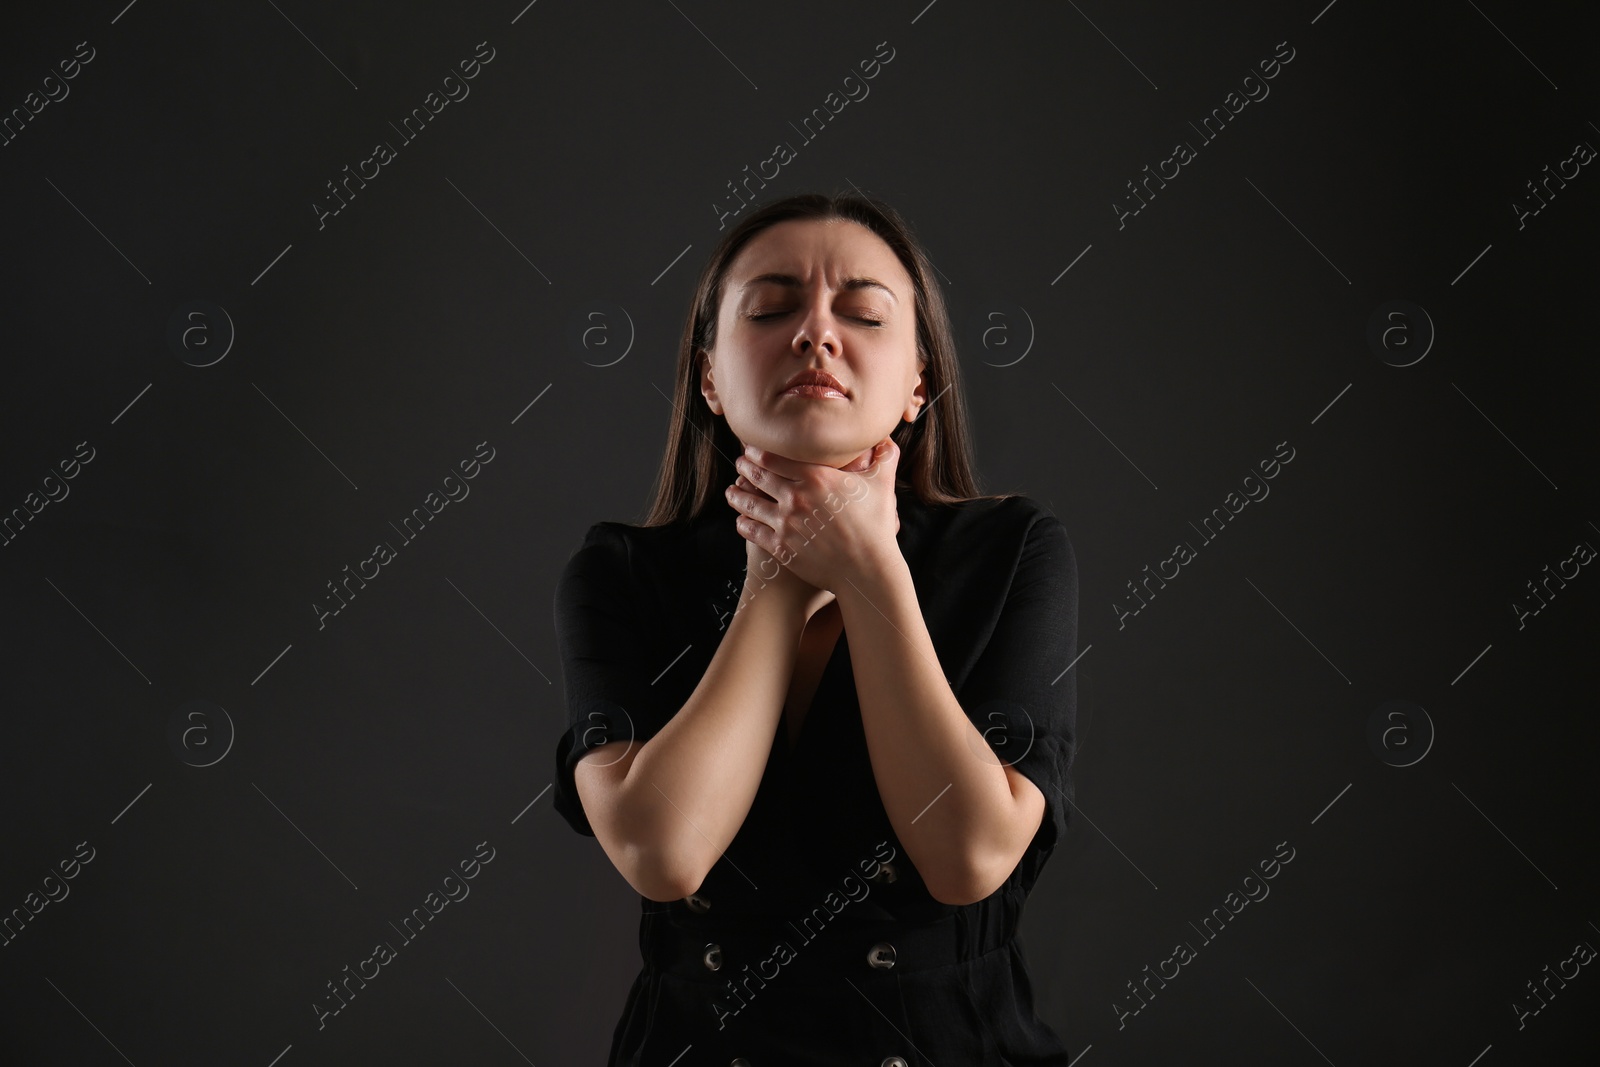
x: 965, y: 819
x: 668, y: 808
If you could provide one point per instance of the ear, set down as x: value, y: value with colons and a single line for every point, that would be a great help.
x: 708, y: 388
x: 919, y: 394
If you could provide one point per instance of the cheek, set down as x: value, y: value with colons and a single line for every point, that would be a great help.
x: 736, y: 383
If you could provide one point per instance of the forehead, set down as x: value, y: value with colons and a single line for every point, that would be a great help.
x: 839, y: 249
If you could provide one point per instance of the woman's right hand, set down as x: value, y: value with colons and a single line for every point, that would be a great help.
x: 765, y: 576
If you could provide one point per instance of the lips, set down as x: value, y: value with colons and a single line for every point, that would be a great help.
x: 816, y: 378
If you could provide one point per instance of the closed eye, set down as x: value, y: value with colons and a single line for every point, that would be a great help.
x: 774, y: 314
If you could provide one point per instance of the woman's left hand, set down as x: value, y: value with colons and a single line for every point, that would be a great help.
x: 825, y: 524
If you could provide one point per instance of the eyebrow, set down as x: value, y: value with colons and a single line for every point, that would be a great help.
x: 790, y: 281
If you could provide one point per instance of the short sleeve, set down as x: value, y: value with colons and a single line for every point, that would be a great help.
x: 605, y: 661
x: 1019, y: 694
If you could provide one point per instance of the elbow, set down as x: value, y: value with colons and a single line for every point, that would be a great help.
x: 957, y: 896
x: 658, y: 862
x: 661, y: 874
x: 968, y: 883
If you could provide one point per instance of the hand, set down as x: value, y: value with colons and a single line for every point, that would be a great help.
x: 828, y: 526
x: 764, y: 575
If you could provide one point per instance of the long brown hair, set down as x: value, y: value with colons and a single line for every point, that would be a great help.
x: 936, y: 452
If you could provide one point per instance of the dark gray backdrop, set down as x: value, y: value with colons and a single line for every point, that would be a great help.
x: 219, y: 394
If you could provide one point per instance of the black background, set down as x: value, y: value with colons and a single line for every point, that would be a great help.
x: 442, y: 308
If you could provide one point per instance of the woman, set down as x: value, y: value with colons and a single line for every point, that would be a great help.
x: 823, y: 726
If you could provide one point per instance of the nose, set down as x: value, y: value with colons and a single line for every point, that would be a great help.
x: 817, y: 329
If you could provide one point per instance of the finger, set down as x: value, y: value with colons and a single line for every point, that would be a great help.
x: 781, y: 466
x: 750, y: 487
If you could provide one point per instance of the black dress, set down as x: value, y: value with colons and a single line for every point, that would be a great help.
x: 814, y: 940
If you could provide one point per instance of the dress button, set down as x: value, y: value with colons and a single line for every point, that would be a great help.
x: 713, y: 957
x: 893, y: 1061
x: 739, y: 1061
x: 698, y: 903
x: 886, y: 873
x: 881, y: 955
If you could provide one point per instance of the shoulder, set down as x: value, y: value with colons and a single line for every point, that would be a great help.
x: 985, y: 548
x: 602, y: 560
x: 1014, y: 519
x: 609, y: 539
x: 620, y: 555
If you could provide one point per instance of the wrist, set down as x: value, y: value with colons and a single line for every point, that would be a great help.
x: 772, y: 598
x: 883, y: 576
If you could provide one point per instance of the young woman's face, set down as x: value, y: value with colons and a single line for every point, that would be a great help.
x: 816, y: 295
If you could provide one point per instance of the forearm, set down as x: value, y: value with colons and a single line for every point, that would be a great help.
x: 945, y: 792
x: 692, y: 784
